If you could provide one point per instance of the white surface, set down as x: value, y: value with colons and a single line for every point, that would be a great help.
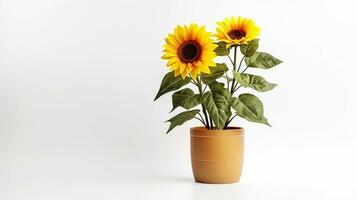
x: 77, y: 121
x: 284, y: 167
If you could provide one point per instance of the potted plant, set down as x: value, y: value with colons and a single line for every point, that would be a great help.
x: 216, y: 147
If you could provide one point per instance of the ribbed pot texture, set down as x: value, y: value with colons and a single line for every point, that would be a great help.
x: 217, y: 155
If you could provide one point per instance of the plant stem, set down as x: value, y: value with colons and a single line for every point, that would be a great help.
x: 237, y: 88
x: 199, y: 84
x: 229, y: 121
x: 209, y: 124
x: 233, y: 81
x: 204, y: 89
x: 244, y: 70
x: 202, y: 120
x: 231, y: 60
x: 235, y: 58
x: 194, y: 83
x: 240, y: 63
x: 234, y: 66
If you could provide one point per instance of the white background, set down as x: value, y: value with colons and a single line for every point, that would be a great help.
x: 78, y: 121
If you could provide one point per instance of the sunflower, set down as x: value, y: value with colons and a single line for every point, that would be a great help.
x: 189, y: 50
x: 235, y: 31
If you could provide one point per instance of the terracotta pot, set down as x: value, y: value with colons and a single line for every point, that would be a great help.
x: 217, y: 155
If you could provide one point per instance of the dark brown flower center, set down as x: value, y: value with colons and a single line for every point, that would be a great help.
x: 189, y: 51
x: 236, y: 34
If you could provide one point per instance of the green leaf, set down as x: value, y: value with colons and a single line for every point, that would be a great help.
x: 181, y: 118
x: 250, y: 48
x: 216, y: 72
x: 217, y: 104
x: 262, y: 60
x: 241, y: 78
x: 250, y: 108
x: 222, y: 49
x: 216, y: 86
x: 185, y: 98
x: 171, y: 83
x: 253, y: 81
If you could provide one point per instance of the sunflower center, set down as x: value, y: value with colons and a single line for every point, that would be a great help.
x: 189, y: 51
x: 236, y: 34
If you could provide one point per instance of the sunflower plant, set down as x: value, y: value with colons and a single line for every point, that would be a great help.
x: 190, y: 52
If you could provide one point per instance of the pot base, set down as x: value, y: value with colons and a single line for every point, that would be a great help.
x: 226, y: 182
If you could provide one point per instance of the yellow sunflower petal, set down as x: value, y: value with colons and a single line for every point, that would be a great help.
x: 184, y: 74
x: 168, y: 55
x: 237, y: 30
x: 173, y: 61
x: 189, y: 50
x: 175, y: 66
x: 182, y: 67
x: 205, y: 69
x: 189, y: 67
x: 194, y: 73
x: 177, y: 72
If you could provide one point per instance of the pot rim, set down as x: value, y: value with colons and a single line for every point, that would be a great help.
x: 230, y: 131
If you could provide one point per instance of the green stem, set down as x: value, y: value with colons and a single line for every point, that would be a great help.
x: 202, y: 120
x: 231, y: 60
x: 244, y: 70
x: 235, y: 58
x: 229, y: 121
x: 234, y: 66
x: 240, y: 63
x: 233, y: 81
x: 204, y: 89
x: 199, y: 84
x: 194, y: 83
x: 237, y: 88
